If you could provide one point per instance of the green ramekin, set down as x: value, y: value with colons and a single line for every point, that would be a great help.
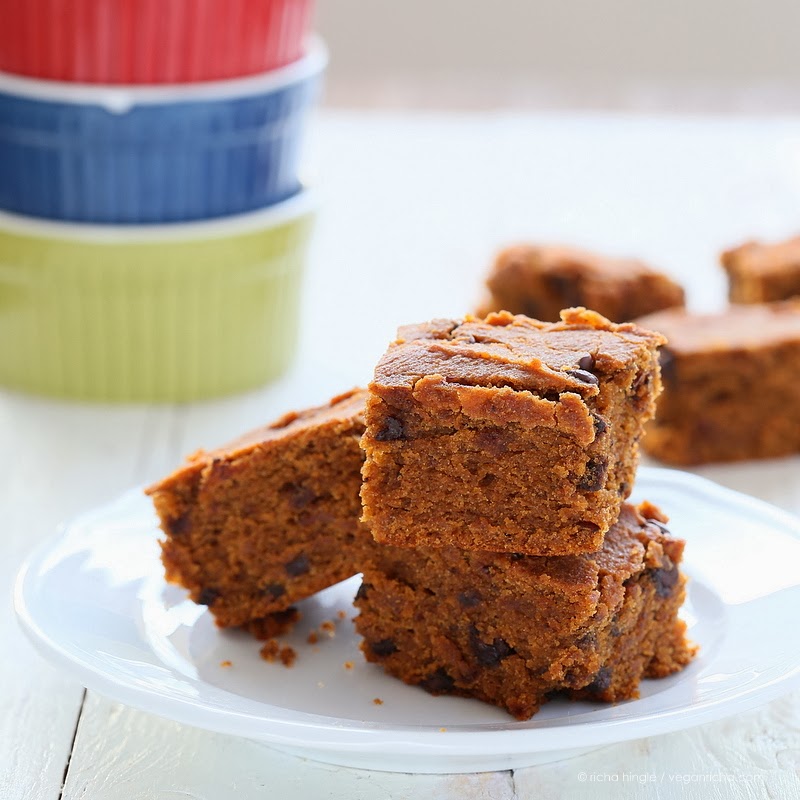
x: 164, y: 313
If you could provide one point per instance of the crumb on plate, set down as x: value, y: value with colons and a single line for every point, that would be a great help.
x: 272, y: 651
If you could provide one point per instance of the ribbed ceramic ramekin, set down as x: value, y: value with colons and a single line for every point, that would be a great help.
x: 152, y: 313
x: 156, y: 154
x: 150, y: 41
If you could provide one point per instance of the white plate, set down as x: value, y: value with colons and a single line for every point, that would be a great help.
x: 94, y: 602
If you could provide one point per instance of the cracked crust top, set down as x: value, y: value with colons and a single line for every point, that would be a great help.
x: 517, y: 352
x: 340, y: 410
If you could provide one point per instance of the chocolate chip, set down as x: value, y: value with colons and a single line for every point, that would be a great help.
x: 624, y: 489
x: 489, y: 655
x: 600, y: 425
x: 275, y: 589
x: 592, y: 527
x: 640, y: 380
x: 300, y: 496
x: 586, y: 363
x: 438, y: 682
x: 220, y: 468
x: 391, y: 431
x: 601, y: 681
x: 383, y: 648
x: 660, y: 525
x: 470, y: 598
x: 665, y: 580
x: 494, y: 442
x: 583, y: 376
x: 668, y: 367
x: 180, y: 525
x: 363, y: 590
x: 442, y: 329
x: 566, y: 287
x: 299, y: 565
x: 572, y: 680
x: 594, y: 478
x: 207, y: 596
x: 588, y: 641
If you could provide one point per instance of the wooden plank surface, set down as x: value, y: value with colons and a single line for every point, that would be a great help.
x: 122, y: 754
x: 413, y: 208
x: 58, y: 460
x: 751, y: 755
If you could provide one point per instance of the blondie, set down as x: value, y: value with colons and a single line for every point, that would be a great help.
x: 730, y: 386
x: 541, y: 280
x: 515, y: 630
x: 270, y: 519
x: 763, y: 273
x: 507, y: 434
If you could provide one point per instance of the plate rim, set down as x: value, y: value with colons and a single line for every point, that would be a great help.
x: 337, y: 735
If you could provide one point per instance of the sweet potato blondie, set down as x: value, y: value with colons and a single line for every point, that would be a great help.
x: 763, y: 273
x: 730, y: 384
x: 507, y: 434
x: 269, y: 519
x: 514, y: 630
x: 541, y: 280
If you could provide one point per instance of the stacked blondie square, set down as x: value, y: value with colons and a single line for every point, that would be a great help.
x: 499, y: 456
x: 480, y: 486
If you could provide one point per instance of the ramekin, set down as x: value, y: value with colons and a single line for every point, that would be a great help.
x: 150, y: 41
x: 166, y: 313
x: 156, y: 154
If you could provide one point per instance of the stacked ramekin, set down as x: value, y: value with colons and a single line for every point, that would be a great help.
x: 152, y: 233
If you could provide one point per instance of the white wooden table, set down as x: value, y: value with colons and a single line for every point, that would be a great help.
x: 413, y: 207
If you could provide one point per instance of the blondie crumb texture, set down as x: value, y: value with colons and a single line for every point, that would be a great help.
x: 730, y: 384
x: 763, y: 273
x: 541, y: 280
x: 507, y: 434
x: 272, y: 518
x: 515, y: 630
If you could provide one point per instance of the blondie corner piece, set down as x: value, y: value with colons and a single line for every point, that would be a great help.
x: 730, y: 384
x: 515, y: 630
x: 763, y: 273
x: 507, y: 434
x: 270, y: 519
x: 541, y: 280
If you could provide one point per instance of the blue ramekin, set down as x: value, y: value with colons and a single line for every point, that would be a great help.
x: 158, y: 153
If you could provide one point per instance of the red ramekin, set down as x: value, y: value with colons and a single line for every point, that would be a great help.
x: 150, y: 41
